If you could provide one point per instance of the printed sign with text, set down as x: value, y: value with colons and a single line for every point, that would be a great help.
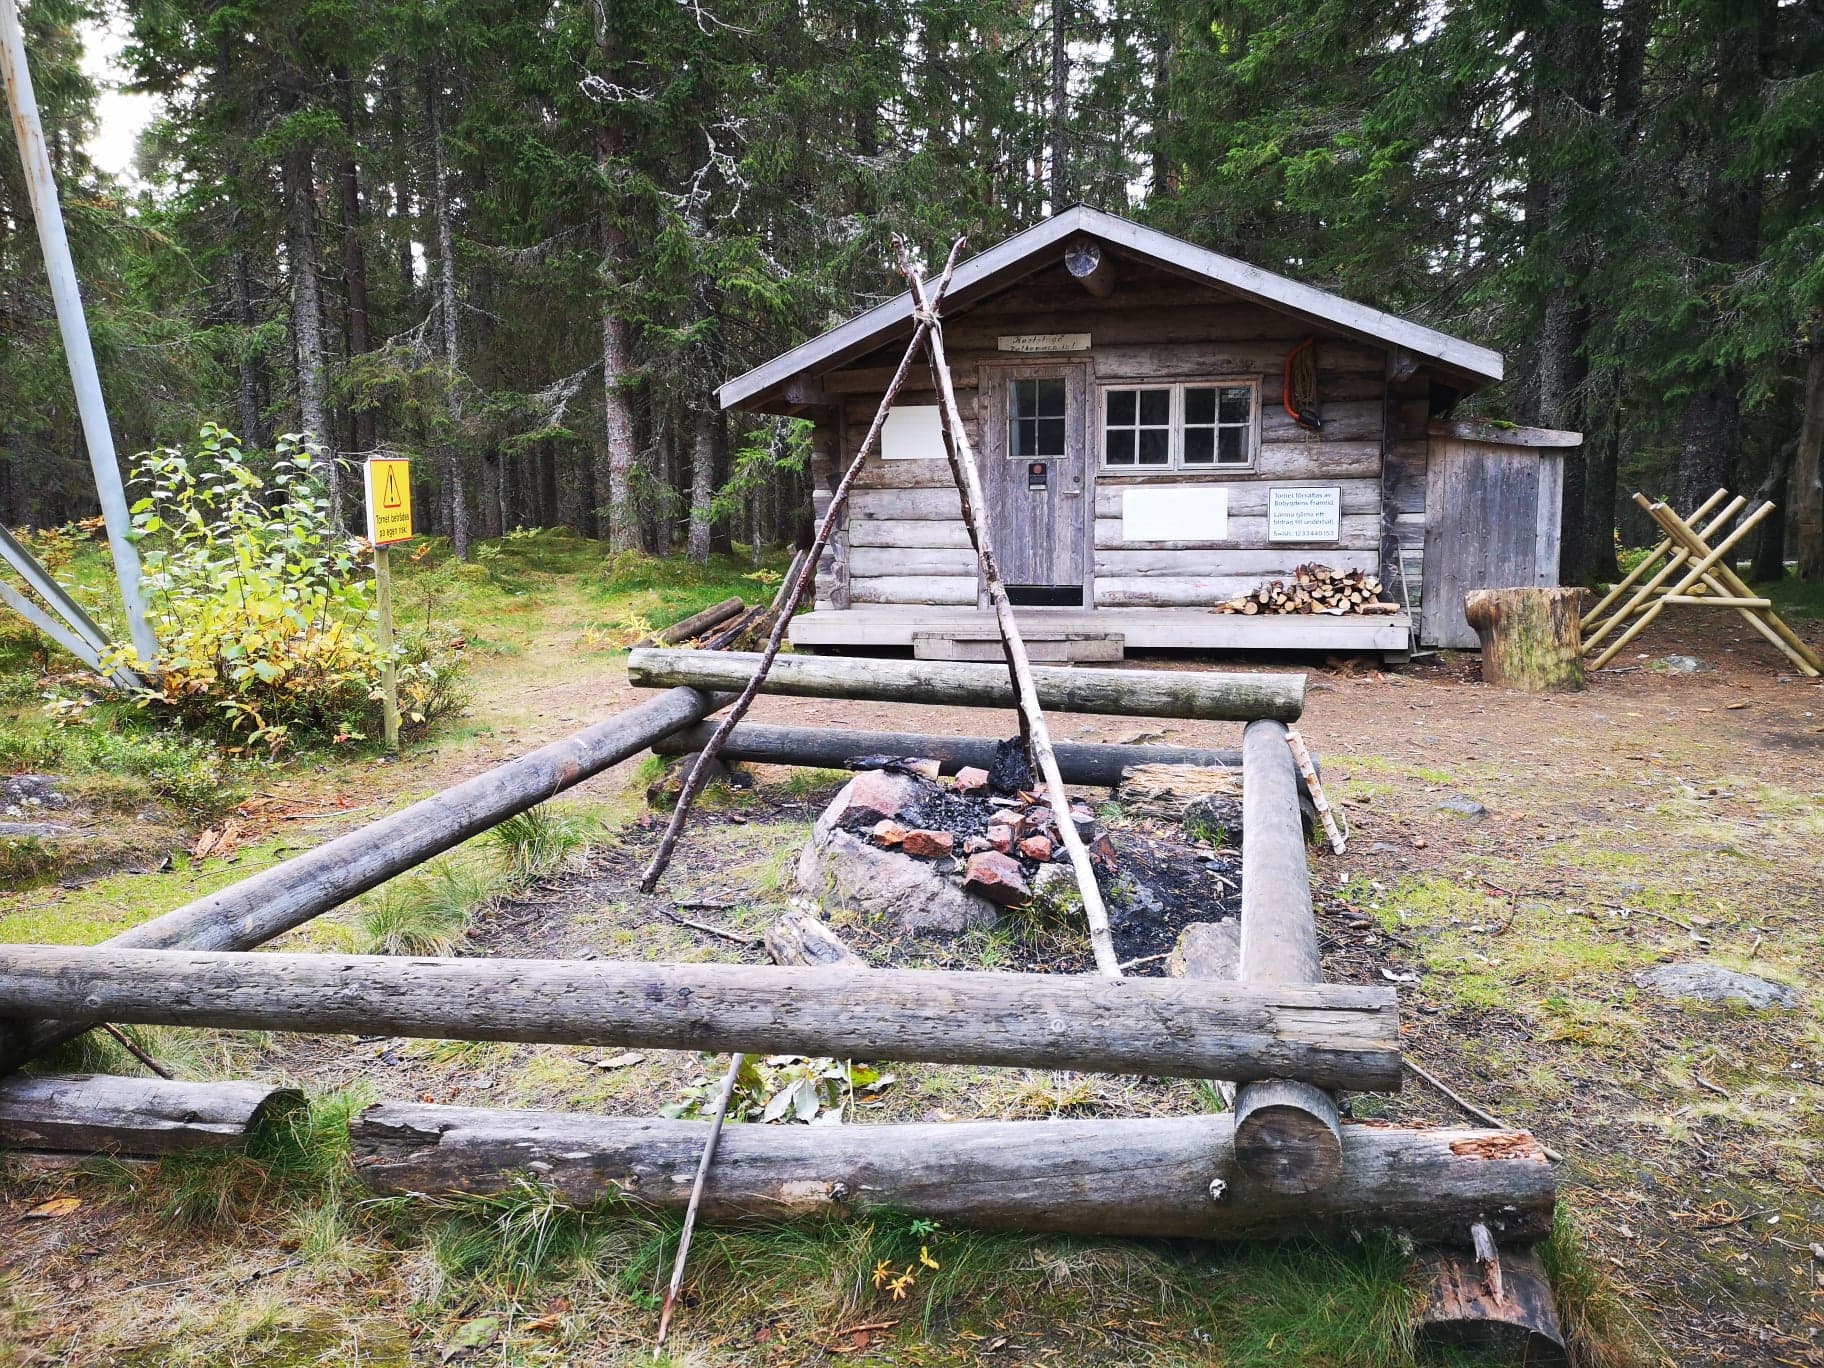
x: 389, y: 501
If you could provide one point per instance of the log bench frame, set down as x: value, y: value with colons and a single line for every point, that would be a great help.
x: 1287, y: 1157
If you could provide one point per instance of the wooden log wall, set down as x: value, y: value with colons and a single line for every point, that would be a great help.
x: 1173, y: 1177
x: 905, y: 541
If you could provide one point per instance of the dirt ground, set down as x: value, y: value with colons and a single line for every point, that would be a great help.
x: 1656, y: 816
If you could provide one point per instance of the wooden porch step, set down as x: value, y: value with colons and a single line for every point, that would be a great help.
x: 1044, y: 645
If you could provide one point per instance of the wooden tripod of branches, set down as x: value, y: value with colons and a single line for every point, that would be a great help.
x: 927, y: 332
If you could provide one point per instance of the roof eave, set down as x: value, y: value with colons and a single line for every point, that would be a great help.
x: 1478, y: 367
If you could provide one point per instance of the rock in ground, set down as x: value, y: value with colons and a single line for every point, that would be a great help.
x: 996, y: 877
x: 1712, y: 983
x: 842, y: 869
x: 1463, y: 807
x: 928, y: 845
x: 874, y: 796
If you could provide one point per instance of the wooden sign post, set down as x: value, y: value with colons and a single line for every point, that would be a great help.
x: 389, y: 521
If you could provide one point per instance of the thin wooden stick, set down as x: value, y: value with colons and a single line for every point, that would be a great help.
x: 1486, y: 1118
x: 969, y: 488
x: 137, y: 1053
x: 696, y: 1198
x: 700, y: 772
x: 737, y: 937
x: 1301, y: 755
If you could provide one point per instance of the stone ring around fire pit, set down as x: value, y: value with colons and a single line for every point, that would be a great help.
x: 897, y: 843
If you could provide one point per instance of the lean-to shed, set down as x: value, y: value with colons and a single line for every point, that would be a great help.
x: 1142, y: 456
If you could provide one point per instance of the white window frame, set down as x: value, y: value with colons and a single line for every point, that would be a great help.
x: 1175, y: 464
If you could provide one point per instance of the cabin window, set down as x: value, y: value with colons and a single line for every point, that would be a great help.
x: 1179, y: 426
x: 1036, y: 419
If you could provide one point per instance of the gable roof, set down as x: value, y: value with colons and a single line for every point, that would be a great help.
x: 1014, y: 257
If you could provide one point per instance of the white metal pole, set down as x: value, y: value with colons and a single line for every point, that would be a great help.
x: 60, y: 270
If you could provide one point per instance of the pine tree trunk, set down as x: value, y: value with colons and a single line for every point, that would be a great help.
x: 1808, y: 466
x: 354, y: 261
x: 1769, y: 563
x: 1060, y: 108
x: 307, y: 317
x: 1603, y: 476
x: 1711, y: 434
x: 451, y: 331
x: 403, y: 223
x: 247, y: 387
x: 702, y: 481
x: 616, y: 519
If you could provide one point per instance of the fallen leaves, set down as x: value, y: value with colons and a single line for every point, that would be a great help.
x: 51, y: 1210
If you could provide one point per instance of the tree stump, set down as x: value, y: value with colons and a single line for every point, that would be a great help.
x: 1531, y: 638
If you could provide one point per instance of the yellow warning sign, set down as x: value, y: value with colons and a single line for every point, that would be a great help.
x: 389, y: 501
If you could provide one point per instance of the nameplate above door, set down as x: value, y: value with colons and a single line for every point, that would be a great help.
x: 1044, y: 342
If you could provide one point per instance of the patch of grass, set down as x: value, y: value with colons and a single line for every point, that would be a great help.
x: 116, y: 739
x: 1602, y: 1331
x: 543, y: 841
x: 813, y: 783
x: 295, y: 1153
x: 429, y: 913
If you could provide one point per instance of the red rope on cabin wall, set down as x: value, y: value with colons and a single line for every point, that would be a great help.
x: 1299, y: 393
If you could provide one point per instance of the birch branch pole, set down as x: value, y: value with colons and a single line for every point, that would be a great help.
x: 807, y: 570
x: 1032, y: 720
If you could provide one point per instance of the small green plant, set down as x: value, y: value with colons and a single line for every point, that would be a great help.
x: 261, y: 605
x: 787, y: 1088
x: 427, y: 914
x: 542, y: 841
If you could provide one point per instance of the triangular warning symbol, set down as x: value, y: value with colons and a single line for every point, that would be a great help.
x: 389, y: 495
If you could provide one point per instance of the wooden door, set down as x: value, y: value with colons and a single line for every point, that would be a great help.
x: 1035, y: 473
x: 1491, y: 515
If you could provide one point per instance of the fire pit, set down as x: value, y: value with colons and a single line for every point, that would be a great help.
x: 929, y: 855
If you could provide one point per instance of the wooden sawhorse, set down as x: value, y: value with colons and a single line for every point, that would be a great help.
x: 1707, y: 580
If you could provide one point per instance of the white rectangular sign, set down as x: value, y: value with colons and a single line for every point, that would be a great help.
x: 1178, y: 513
x: 913, y: 432
x: 1044, y: 342
x: 1304, y: 515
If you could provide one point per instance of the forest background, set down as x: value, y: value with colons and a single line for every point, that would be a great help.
x: 523, y: 242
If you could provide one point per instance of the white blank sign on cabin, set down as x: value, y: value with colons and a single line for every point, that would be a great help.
x: 1304, y: 515
x: 913, y: 432
x: 1180, y: 513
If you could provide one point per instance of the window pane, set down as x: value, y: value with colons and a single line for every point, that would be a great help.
x: 1156, y: 407
x: 1231, y: 449
x: 1051, y: 398
x: 1237, y: 404
x: 1025, y: 398
x: 1120, y: 448
x: 1155, y: 446
x: 1051, y: 437
x: 1200, y: 446
x: 1024, y: 436
x: 1199, y: 404
x: 1121, y: 408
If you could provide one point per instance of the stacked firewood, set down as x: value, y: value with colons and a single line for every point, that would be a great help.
x: 1314, y: 589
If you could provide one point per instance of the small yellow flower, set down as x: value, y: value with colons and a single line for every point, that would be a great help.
x: 924, y: 1257
x: 882, y: 1271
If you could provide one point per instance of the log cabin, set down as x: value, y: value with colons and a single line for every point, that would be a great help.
x: 1160, y: 428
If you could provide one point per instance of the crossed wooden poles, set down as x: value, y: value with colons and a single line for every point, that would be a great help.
x: 1705, y: 578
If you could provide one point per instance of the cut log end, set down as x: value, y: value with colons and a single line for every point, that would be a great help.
x: 1288, y: 1136
x: 1513, y: 1315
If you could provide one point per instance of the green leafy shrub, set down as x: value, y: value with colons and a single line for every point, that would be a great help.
x: 261, y: 604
